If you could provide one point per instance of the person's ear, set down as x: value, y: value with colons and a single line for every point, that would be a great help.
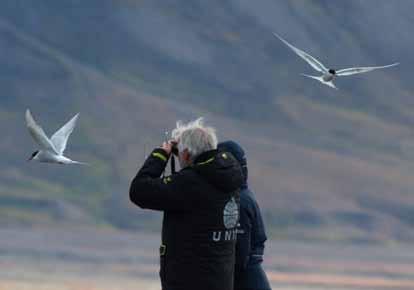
x: 186, y: 156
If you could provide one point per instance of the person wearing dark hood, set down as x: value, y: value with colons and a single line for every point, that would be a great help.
x: 200, y: 205
x: 251, y: 237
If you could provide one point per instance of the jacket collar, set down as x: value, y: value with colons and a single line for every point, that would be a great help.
x: 205, y: 157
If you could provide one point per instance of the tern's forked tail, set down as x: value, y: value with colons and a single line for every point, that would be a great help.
x: 320, y: 78
x: 80, y: 163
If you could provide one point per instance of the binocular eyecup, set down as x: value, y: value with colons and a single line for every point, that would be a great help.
x: 174, y: 150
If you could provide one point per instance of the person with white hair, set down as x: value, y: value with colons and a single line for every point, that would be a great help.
x: 200, y: 205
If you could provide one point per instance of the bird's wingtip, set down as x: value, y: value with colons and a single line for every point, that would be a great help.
x: 393, y: 64
x: 308, y: 76
x: 277, y: 35
x: 28, y: 116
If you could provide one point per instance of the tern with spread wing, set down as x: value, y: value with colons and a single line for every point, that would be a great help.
x: 328, y: 75
x: 52, y: 149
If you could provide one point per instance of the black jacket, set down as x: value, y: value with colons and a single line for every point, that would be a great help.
x: 251, y: 238
x: 201, y: 212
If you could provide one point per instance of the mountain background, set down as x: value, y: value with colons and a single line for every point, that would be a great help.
x: 325, y: 164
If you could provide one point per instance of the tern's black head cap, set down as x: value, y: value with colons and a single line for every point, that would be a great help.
x: 33, y: 154
x: 332, y: 71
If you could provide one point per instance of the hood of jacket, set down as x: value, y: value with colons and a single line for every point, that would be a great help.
x: 220, y: 169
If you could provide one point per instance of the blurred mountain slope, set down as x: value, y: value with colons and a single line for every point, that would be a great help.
x: 324, y: 163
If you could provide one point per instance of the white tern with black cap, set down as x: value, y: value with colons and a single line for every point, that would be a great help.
x: 51, y: 150
x: 328, y: 75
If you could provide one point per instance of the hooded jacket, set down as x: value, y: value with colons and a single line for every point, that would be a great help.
x: 251, y: 234
x: 201, y: 212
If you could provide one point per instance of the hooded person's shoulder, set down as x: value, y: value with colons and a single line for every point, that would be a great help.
x: 220, y: 169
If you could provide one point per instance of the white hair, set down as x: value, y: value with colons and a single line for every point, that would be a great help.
x: 195, y: 137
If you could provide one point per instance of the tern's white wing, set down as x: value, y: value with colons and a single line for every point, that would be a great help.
x: 60, y: 138
x: 308, y: 58
x: 38, y: 134
x: 359, y: 70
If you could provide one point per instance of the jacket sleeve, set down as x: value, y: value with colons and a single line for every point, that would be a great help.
x: 149, y: 191
x: 258, y: 234
x: 244, y: 232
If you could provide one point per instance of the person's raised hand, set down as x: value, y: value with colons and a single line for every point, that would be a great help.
x: 167, y: 147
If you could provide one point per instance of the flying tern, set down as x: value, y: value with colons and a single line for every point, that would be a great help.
x: 328, y: 75
x: 51, y: 149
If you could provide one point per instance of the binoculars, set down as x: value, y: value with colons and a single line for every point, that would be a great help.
x: 174, y: 147
x: 174, y: 150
